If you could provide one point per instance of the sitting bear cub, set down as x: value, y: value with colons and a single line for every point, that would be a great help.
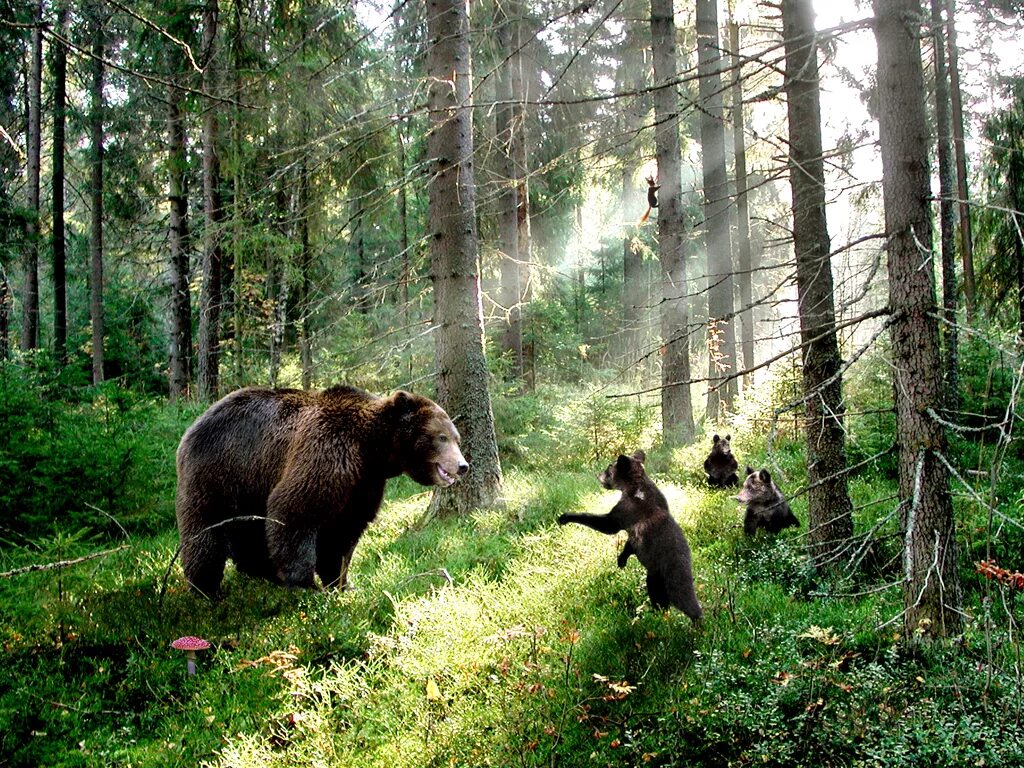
x: 766, y: 506
x: 654, y: 536
x: 721, y: 465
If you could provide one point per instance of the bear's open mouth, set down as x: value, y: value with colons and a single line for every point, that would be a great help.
x: 446, y: 477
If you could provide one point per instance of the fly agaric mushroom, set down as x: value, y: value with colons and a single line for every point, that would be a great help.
x: 190, y: 645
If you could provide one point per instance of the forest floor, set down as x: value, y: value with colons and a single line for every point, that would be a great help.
x: 502, y: 639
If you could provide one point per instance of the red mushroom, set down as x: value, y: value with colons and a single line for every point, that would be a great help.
x: 190, y: 645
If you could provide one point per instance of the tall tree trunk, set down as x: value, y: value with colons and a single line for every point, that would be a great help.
x: 30, y: 298
x: 721, y: 332
x: 96, y: 194
x: 947, y: 191
x: 60, y: 303
x: 508, y: 199
x: 305, y: 267
x: 632, y: 273
x: 960, y: 151
x: 458, y: 313
x: 931, y: 581
x: 210, y: 298
x: 521, y: 160
x: 676, y: 409
x: 829, y: 511
x: 743, y: 251
x: 181, y: 302
x: 277, y: 284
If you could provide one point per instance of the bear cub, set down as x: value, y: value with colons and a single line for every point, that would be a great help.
x: 767, y: 508
x: 720, y: 465
x: 654, y: 536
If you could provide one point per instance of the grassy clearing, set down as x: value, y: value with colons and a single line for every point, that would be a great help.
x: 499, y: 639
x: 503, y: 639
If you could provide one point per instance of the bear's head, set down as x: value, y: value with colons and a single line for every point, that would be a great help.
x: 427, y: 441
x: 625, y: 473
x: 758, y: 488
x: 721, y: 444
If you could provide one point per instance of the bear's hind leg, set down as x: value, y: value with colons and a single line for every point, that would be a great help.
x: 203, y: 556
x: 656, y: 590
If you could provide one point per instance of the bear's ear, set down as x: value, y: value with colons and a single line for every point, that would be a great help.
x: 404, y: 402
x: 749, y: 471
x: 715, y: 439
x: 640, y: 456
x: 765, y: 477
x: 728, y: 438
x: 623, y: 464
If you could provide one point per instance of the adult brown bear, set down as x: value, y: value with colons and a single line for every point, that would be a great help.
x: 305, y: 473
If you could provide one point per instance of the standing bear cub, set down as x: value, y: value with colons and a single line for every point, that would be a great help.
x: 304, y: 473
x: 720, y: 465
x: 654, y: 536
x: 766, y: 506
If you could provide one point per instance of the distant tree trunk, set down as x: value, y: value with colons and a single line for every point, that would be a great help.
x: 521, y: 160
x: 96, y: 195
x: 60, y: 303
x: 632, y: 76
x: 744, y: 258
x: 960, y: 151
x: 458, y: 313
x: 30, y: 299
x: 947, y: 191
x: 181, y: 302
x: 676, y: 409
x: 632, y: 275
x: 508, y: 199
x: 931, y: 581
x: 211, y: 295
x: 829, y: 511
x: 277, y: 285
x: 306, y: 266
x: 721, y: 332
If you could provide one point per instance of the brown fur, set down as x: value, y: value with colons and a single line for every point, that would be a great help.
x: 766, y: 506
x: 654, y: 536
x: 306, y: 470
x: 721, y: 465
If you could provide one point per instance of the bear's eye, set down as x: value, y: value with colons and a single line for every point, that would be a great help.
x: 442, y: 438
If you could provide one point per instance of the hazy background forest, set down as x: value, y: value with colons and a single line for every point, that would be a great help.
x: 456, y: 200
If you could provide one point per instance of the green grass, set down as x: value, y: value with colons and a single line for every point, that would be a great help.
x: 501, y: 639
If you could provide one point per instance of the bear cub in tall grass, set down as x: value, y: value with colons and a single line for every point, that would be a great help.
x: 654, y: 536
x: 720, y: 465
x: 766, y: 506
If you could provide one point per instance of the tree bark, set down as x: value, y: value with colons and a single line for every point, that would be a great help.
x: 210, y: 298
x: 96, y: 194
x: 829, y: 511
x: 521, y: 163
x: 960, y: 150
x: 458, y: 312
x: 60, y: 303
x: 721, y: 331
x: 30, y: 297
x: 181, y: 302
x: 508, y: 199
x: 931, y: 581
x: 676, y: 408
x: 947, y: 227
x: 743, y: 251
x: 305, y: 267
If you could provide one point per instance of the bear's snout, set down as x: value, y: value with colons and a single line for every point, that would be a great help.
x: 463, y: 468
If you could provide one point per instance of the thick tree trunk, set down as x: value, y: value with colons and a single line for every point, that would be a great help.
x: 305, y: 267
x: 210, y: 298
x: 458, y: 313
x: 60, y: 302
x: 181, y: 302
x: 947, y: 227
x: 829, y: 511
x: 960, y: 151
x: 743, y: 250
x: 931, y: 586
x: 676, y: 408
x: 30, y: 294
x: 508, y: 199
x: 721, y: 331
x: 96, y: 196
x: 521, y: 160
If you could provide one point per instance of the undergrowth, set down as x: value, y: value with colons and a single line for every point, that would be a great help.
x: 502, y: 639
